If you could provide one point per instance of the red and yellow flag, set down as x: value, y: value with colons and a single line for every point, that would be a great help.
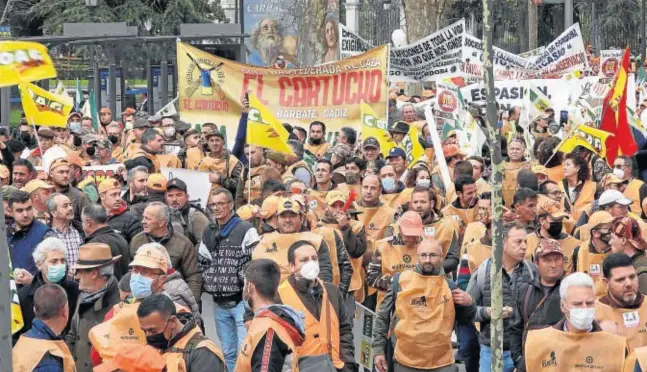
x: 614, y: 115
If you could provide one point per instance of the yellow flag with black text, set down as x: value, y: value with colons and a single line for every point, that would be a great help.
x: 587, y: 137
x: 372, y: 126
x: 265, y: 130
x: 24, y: 61
x: 44, y: 108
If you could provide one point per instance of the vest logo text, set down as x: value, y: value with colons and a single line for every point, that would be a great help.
x: 272, y: 249
x: 552, y: 362
x: 419, y: 301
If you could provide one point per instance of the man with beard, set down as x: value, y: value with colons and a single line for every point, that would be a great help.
x: 551, y: 226
x: 270, y: 43
x: 291, y: 229
x: 59, y: 174
x: 120, y: 218
x: 224, y: 168
x: 39, y: 191
x: 317, y: 144
x: 65, y: 228
x: 353, y: 236
x: 328, y: 344
x: 415, y: 348
x: 150, y: 154
x: 352, y: 175
x: 253, y: 177
x: 192, y: 220
x: 588, y: 257
x: 538, y: 301
x: 316, y: 196
x: 622, y: 303
x: 115, y: 134
x: 395, y: 254
x: 443, y: 230
x: 136, y: 190
x: 463, y: 209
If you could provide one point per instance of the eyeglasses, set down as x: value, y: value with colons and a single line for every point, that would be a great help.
x: 425, y: 256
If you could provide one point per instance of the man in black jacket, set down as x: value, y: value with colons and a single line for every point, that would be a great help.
x: 538, y: 301
x: 95, y: 226
x: 282, y: 324
x: 120, y: 218
x: 226, y: 248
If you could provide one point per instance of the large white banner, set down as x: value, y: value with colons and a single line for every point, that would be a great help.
x: 197, y: 183
x: 564, y: 54
x: 350, y: 44
x: 507, y: 66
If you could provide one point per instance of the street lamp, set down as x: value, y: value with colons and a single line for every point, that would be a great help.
x: 399, y: 38
x: 148, y: 25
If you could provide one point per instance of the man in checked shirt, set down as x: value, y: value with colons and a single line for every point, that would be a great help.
x: 64, y: 226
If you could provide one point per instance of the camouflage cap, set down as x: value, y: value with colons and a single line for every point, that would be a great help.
x: 546, y: 247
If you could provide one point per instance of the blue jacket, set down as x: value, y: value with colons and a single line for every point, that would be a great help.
x: 41, y: 331
x: 23, y: 243
x: 241, y: 138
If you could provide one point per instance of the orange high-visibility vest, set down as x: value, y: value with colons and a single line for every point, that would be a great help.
x: 395, y: 259
x: 591, y: 263
x: 425, y: 307
x: 28, y: 352
x: 633, y: 192
x: 260, y: 327
x: 174, y: 356
x: 632, y: 323
x: 322, y: 336
x: 275, y: 245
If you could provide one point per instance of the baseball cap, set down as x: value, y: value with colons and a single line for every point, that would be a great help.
x: 190, y: 132
x: 395, y: 152
x: 151, y: 258
x: 154, y: 117
x: 57, y: 163
x: 410, y: 224
x: 277, y: 157
x: 45, y: 132
x: 609, y: 179
x: 613, y: 196
x: 214, y: 132
x: 129, y: 111
x: 176, y: 183
x: 288, y: 205
x: 105, y: 110
x: 157, y: 182
x: 7, y: 191
x: 342, y: 150
x: 539, y: 169
x: 133, y: 358
x: 548, y: 246
x: 75, y: 159
x: 335, y: 196
x: 109, y: 184
x: 34, y: 185
x: 371, y: 142
x: 142, y: 123
x: 73, y: 114
x: 598, y: 218
x: 247, y: 211
x: 549, y: 207
x: 399, y: 127
x: 269, y: 207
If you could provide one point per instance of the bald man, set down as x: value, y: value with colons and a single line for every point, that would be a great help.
x: 425, y: 291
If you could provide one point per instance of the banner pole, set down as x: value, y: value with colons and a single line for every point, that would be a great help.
x: 249, y: 173
x: 562, y: 143
x: 31, y: 119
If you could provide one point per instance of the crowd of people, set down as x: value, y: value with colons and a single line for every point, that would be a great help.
x: 111, y: 273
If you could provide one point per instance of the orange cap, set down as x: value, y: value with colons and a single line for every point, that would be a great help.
x: 410, y: 224
x: 75, y: 159
x: 269, y: 207
x: 4, y: 171
x: 134, y: 358
x: 157, y: 182
x: 108, y: 184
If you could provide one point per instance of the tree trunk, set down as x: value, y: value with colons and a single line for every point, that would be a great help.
x: 523, y: 24
x: 424, y: 17
x: 310, y: 45
x: 532, y: 25
x: 496, y: 324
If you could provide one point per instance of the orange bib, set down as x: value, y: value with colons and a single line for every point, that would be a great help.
x: 637, y: 355
x: 633, y: 192
x: 375, y: 220
x: 549, y: 350
x: 425, y: 308
x: 632, y: 323
x: 591, y: 263
x: 28, y: 352
x: 257, y: 330
x: 317, y: 202
x: 175, y: 358
x: 275, y: 245
x: 328, y: 234
x: 395, y: 259
x: 477, y: 252
x: 322, y: 336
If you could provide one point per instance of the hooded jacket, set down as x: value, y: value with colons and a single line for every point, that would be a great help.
x: 125, y: 223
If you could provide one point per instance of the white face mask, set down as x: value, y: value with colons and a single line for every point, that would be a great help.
x: 619, y: 173
x: 169, y: 132
x: 581, y: 319
x: 129, y: 125
x: 423, y: 183
x: 310, y: 270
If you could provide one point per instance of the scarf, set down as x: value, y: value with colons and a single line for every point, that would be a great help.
x: 88, y: 298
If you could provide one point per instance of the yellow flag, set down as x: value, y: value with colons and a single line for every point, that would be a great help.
x: 44, y: 108
x: 374, y: 127
x: 24, y: 61
x: 411, y: 145
x: 264, y: 130
x: 587, y: 137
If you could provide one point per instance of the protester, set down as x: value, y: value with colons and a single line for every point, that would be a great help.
x: 417, y: 349
x: 59, y: 174
x: 626, y: 238
x: 588, y: 257
x: 42, y: 348
x: 188, y: 216
x: 39, y: 191
x: 64, y: 226
x: 552, y: 345
x: 120, y: 218
x: 99, y: 293
x: 23, y: 172
x: 223, y: 167
x: 317, y: 143
x: 136, y: 188
x: 157, y: 228
x: 577, y: 186
x: 636, y: 190
x: 95, y: 226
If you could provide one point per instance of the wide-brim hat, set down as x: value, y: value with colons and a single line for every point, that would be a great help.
x: 94, y: 255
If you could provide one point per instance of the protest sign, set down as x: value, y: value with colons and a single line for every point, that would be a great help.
x: 448, y: 105
x: 24, y: 61
x: 350, y: 44
x: 197, y: 182
x: 564, y: 54
x: 363, y: 336
x: 434, y: 57
x: 609, y: 62
x: 211, y: 87
x: 506, y: 65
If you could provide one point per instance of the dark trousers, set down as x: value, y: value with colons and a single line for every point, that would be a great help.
x: 468, y: 346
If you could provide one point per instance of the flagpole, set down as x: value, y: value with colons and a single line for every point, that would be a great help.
x: 249, y: 173
x: 31, y: 119
x: 562, y: 142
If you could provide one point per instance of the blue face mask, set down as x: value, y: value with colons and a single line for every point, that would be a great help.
x: 56, y: 273
x: 140, y: 286
x: 75, y: 126
x: 388, y: 184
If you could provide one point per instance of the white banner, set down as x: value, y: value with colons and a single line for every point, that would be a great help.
x: 564, y: 54
x: 448, y: 106
x: 350, y: 44
x: 435, y: 57
x: 609, y: 62
x: 197, y: 183
x: 507, y: 66
x: 363, y: 336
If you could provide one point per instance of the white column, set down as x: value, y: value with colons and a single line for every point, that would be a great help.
x: 352, y: 15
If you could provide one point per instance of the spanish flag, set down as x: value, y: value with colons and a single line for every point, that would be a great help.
x: 372, y: 126
x: 614, y: 115
x: 44, y: 108
x: 265, y: 130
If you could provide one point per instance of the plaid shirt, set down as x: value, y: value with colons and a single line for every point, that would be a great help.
x: 73, y: 240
